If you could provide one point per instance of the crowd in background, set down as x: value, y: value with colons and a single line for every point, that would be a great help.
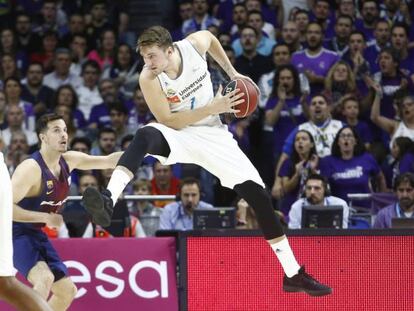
x: 336, y: 81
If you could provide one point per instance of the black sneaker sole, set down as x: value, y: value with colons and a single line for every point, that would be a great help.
x: 314, y: 293
x: 94, y: 204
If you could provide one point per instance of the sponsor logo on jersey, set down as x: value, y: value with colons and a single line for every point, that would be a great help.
x: 172, y: 97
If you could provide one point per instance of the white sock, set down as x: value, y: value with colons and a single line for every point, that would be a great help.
x: 117, y: 184
x: 286, y: 258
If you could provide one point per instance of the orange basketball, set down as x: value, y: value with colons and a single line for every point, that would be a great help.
x: 250, y: 96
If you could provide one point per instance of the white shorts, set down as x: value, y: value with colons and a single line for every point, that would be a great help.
x: 212, y: 148
x: 6, y: 214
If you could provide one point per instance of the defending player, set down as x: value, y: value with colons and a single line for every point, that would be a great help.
x: 176, y: 85
x: 40, y: 187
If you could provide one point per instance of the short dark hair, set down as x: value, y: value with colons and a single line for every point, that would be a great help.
x: 118, y: 106
x: 93, y: 64
x: 403, y: 178
x: 403, y: 26
x: 358, y: 32
x: 249, y: 27
x: 44, y: 120
x: 359, y: 146
x: 82, y: 140
x: 190, y: 181
x: 104, y: 130
x: 315, y: 176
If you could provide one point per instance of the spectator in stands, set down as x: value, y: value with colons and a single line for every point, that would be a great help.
x: 8, y: 45
x: 200, y: 20
x: 264, y: 44
x: 404, y: 208
x: 250, y: 62
x: 314, y: 61
x: 339, y: 43
x: 88, y: 93
x: 81, y: 144
x: 78, y: 48
x: 98, y: 22
x: 34, y: 91
x: 350, y: 169
x: 179, y: 215
x: 8, y: 67
x: 26, y: 39
x: 395, y: 11
x: 400, y: 41
x: 164, y: 182
x: 144, y: 210
x: 285, y: 107
x: 402, y: 159
x: 295, y: 170
x: 125, y: 71
x: 3, y: 112
x: 139, y: 114
x: 77, y: 26
x: 239, y: 19
x: 118, y: 121
x: 268, y: 16
x: 350, y: 109
x: 104, y: 54
x: 46, y: 54
x: 346, y: 7
x: 392, y: 127
x: 301, y: 18
x: 316, y: 192
x: 369, y: 16
x: 106, y: 142
x: 66, y: 96
x: 185, y: 12
x: 291, y: 36
x: 50, y: 20
x: 13, y: 91
x: 17, y: 151
x: 62, y: 75
x: 15, y: 123
x: 340, y: 81
x: 321, y: 13
x: 382, y: 36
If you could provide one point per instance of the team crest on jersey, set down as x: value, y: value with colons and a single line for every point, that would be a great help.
x: 49, y: 184
x: 172, y: 97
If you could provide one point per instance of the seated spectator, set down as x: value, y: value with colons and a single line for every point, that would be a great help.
x: 88, y: 93
x: 68, y: 116
x: 301, y: 18
x: 200, y: 19
x: 15, y: 123
x: 316, y: 192
x: 118, y: 121
x: 125, y: 71
x: 401, y: 159
x: 105, y: 54
x: 66, y: 96
x: 34, y: 91
x: 17, y: 151
x: 13, y: 92
x: 144, y: 210
x: 78, y: 48
x: 106, y: 142
x: 350, y: 169
x: 164, y: 182
x: 350, y: 114
x: 62, y: 75
x: 139, y: 113
x: 3, y: 114
x: 81, y: 144
x: 403, y: 208
x: 47, y: 53
x: 179, y: 215
x: 295, y: 170
x: 8, y: 67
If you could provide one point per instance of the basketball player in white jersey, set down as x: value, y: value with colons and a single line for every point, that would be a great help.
x: 12, y: 291
x: 176, y: 85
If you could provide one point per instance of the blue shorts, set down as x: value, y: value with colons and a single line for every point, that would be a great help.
x: 32, y: 247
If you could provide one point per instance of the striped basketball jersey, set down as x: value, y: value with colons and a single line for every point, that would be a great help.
x: 192, y: 89
x: 53, y: 194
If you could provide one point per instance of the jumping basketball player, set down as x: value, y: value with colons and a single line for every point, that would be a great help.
x: 12, y: 291
x: 40, y: 187
x: 176, y: 85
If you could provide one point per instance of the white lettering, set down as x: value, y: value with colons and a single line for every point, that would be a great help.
x: 85, y: 276
x: 349, y: 173
x: 161, y: 268
x: 120, y: 284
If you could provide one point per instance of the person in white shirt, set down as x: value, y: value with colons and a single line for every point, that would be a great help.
x: 315, y: 193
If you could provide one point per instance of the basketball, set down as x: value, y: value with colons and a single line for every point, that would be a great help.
x: 250, y: 96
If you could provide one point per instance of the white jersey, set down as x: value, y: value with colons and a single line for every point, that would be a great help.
x: 192, y: 89
x: 323, y: 136
x: 6, y: 212
x: 402, y: 131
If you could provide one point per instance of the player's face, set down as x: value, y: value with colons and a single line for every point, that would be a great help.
x: 155, y: 58
x: 303, y: 143
x: 314, y: 191
x: 190, y: 196
x: 346, y: 141
x: 56, y: 136
x: 405, y: 194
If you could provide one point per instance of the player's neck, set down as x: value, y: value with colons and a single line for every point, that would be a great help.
x: 50, y: 157
x: 174, y: 67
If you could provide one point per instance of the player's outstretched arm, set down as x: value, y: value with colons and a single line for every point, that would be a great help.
x: 83, y: 161
x: 26, y: 187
